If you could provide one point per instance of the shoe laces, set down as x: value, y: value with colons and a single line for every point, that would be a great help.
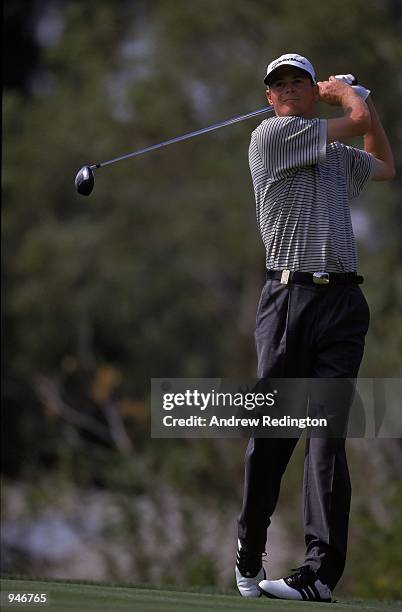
x: 303, y: 576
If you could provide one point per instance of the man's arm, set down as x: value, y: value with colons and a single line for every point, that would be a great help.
x: 356, y: 120
x: 376, y: 143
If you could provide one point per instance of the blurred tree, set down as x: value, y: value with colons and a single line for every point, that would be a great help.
x: 20, y: 49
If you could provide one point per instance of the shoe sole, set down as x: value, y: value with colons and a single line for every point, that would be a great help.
x: 270, y: 596
x: 251, y: 596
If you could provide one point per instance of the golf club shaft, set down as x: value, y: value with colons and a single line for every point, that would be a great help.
x: 210, y: 128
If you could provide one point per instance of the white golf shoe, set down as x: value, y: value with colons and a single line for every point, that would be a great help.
x: 302, y: 585
x: 249, y: 571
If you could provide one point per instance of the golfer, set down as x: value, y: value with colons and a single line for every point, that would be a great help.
x: 312, y: 317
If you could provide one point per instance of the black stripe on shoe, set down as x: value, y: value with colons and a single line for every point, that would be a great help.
x: 303, y: 593
x: 315, y: 591
x: 311, y: 593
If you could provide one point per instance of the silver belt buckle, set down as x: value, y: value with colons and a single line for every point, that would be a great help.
x: 285, y: 277
x: 320, y: 278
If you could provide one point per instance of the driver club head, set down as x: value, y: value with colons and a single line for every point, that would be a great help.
x: 84, y: 180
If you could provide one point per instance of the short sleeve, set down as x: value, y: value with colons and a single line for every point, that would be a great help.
x: 359, y: 168
x: 286, y: 144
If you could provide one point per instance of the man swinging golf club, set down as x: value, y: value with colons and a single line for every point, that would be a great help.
x: 312, y: 316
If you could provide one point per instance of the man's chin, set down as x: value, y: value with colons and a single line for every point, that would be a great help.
x: 289, y: 112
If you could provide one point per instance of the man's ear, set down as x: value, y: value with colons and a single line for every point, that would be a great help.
x: 315, y: 93
x: 267, y: 93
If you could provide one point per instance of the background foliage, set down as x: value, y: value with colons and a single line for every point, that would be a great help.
x: 158, y: 274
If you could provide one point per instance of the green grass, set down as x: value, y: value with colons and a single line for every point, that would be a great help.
x: 82, y: 597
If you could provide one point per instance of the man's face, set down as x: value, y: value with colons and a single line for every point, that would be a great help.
x: 292, y: 93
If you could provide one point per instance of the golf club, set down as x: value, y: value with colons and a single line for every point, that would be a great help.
x: 84, y: 180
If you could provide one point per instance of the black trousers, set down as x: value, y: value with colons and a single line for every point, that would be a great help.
x: 306, y: 331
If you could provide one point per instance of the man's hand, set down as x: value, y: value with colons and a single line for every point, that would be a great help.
x: 350, y: 79
x: 356, y: 118
x: 334, y: 91
x: 375, y: 139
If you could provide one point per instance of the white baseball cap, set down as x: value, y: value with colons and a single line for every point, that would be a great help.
x: 290, y: 59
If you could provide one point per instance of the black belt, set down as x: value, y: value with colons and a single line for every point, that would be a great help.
x: 315, y: 278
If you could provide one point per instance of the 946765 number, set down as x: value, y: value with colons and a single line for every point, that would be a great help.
x: 19, y: 598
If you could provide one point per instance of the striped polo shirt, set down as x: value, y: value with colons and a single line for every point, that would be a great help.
x: 302, y: 190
